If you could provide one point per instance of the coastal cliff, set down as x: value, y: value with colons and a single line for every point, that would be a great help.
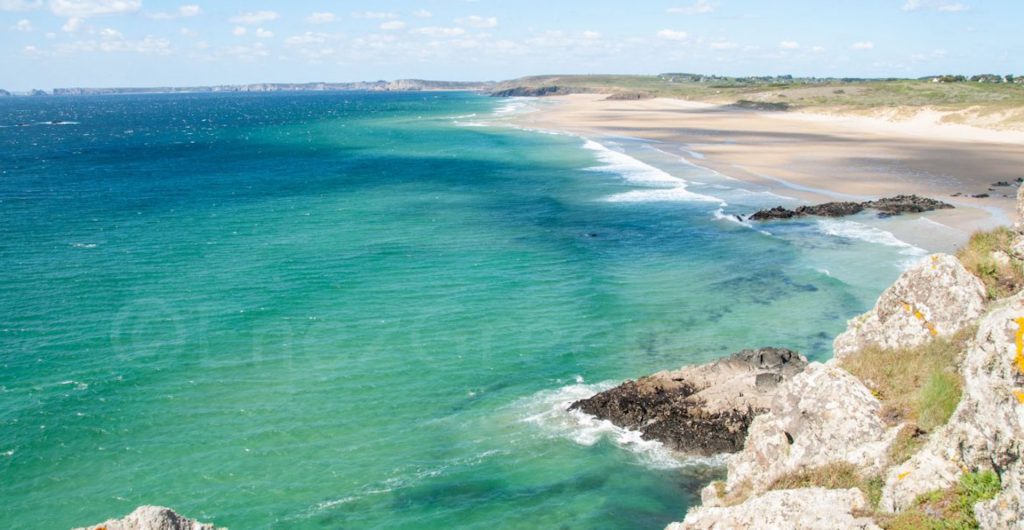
x: 916, y: 422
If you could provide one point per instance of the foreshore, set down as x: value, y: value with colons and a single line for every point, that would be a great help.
x: 818, y: 157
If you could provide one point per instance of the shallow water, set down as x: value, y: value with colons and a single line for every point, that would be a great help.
x: 347, y: 310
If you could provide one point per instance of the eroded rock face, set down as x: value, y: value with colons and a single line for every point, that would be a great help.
x: 798, y: 509
x: 152, y: 518
x: 986, y: 432
x: 823, y: 415
x: 936, y: 297
x: 702, y: 409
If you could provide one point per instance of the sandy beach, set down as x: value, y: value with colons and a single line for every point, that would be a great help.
x: 818, y: 157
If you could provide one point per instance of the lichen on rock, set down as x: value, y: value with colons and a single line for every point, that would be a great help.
x: 935, y: 297
x: 797, y: 509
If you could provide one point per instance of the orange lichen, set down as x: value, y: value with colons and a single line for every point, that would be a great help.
x: 931, y: 328
x: 1020, y: 396
x: 1019, y: 359
x: 903, y: 475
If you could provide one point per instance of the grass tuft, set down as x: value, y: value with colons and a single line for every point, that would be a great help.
x: 1002, y: 277
x: 837, y: 475
x: 950, y: 509
x: 919, y: 384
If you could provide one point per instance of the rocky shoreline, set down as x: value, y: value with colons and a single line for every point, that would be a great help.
x: 886, y: 207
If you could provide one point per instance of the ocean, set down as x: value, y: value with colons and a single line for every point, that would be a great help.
x: 370, y: 310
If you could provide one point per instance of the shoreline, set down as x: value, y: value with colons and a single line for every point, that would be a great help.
x: 817, y: 157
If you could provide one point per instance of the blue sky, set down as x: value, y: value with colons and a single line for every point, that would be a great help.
x: 60, y: 43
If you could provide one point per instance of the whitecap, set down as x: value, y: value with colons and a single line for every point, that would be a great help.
x: 84, y: 245
x: 870, y: 234
x: 548, y: 410
x: 636, y: 172
x: 720, y: 215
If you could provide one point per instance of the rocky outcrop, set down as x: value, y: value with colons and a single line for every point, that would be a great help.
x: 151, y: 518
x: 798, y: 509
x: 986, y: 431
x: 899, y: 204
x: 936, y: 297
x: 702, y: 409
x: 539, y: 91
x: 822, y: 416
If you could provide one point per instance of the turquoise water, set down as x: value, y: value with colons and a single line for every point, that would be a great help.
x: 351, y: 310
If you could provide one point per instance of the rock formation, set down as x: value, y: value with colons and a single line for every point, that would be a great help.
x: 702, y: 409
x: 822, y: 416
x: 798, y: 509
x: 986, y: 432
x: 936, y: 297
x: 897, y: 205
x: 151, y: 518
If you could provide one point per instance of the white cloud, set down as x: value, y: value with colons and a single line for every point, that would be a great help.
x: 723, y: 45
x: 320, y: 17
x: 188, y: 10
x: 110, y: 34
x: 475, y: 21
x: 938, y: 5
x: 699, y: 7
x: 393, y: 25
x: 23, y: 25
x: 113, y: 42
x: 91, y: 8
x: 375, y: 14
x: 263, y: 33
x: 72, y: 25
x: 862, y: 45
x: 20, y: 5
x: 239, y: 31
x: 186, y: 32
x: 789, y: 45
x: 591, y: 35
x: 435, y: 31
x: 254, y: 17
x: 818, y: 49
x: 422, y: 13
x: 669, y: 34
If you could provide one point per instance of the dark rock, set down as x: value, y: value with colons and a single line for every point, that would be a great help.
x: 957, y: 194
x: 1001, y: 183
x: 832, y: 209
x: 897, y: 205
x: 980, y: 196
x: 703, y: 409
x: 774, y: 213
x: 906, y: 204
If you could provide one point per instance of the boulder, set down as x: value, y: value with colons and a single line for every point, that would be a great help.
x: 151, y: 518
x: 824, y: 415
x: 935, y: 297
x: 797, y: 509
x: 703, y: 409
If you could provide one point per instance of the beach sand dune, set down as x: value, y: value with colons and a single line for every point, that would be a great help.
x: 818, y: 157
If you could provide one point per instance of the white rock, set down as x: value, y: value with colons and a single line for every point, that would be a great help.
x: 986, y: 431
x: 936, y: 297
x: 823, y: 415
x: 799, y: 509
x: 152, y: 518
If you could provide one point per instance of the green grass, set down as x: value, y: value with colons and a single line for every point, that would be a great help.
x: 1001, y: 279
x: 838, y: 475
x: 853, y: 95
x: 919, y: 385
x: 951, y: 509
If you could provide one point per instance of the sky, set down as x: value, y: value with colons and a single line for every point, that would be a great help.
x: 102, y: 43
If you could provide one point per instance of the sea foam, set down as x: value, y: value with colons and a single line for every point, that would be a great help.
x: 548, y: 410
x: 665, y: 186
x: 870, y: 234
